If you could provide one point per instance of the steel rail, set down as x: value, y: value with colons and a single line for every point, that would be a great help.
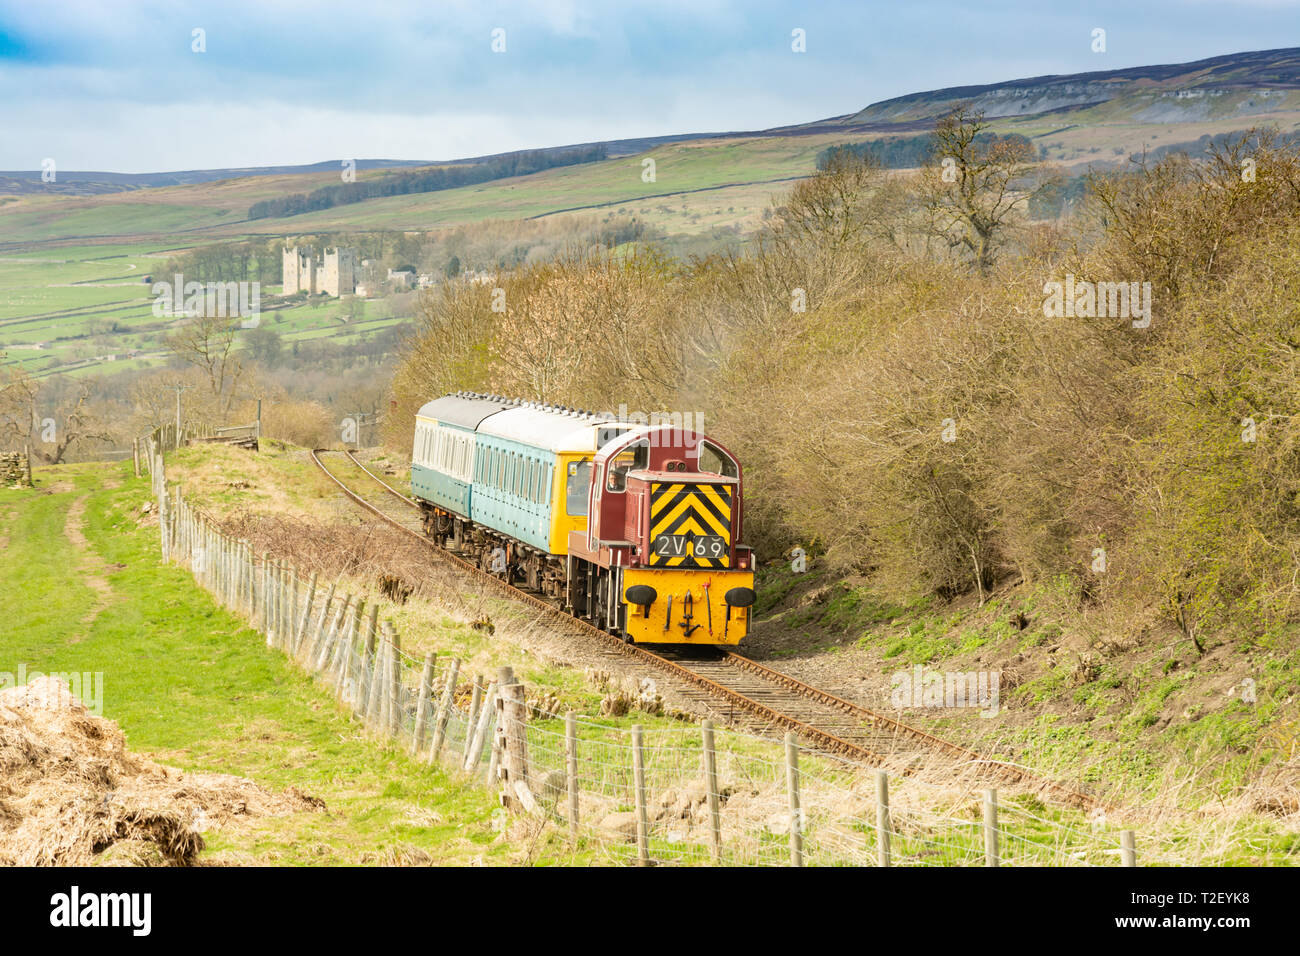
x: 824, y: 740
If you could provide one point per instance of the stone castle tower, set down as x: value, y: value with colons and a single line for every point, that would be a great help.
x: 338, y: 274
x: 335, y: 274
x: 299, y: 272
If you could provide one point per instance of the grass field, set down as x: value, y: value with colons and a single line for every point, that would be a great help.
x: 62, y: 308
x: 218, y: 210
x: 60, y: 287
x: 195, y: 689
x: 82, y: 589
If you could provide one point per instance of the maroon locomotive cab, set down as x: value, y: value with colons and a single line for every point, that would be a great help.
x: 666, y: 509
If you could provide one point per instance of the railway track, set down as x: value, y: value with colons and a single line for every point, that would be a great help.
x: 742, y: 689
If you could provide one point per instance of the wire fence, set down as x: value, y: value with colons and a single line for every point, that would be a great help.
x: 661, y: 795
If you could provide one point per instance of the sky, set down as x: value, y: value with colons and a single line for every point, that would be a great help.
x: 118, y: 84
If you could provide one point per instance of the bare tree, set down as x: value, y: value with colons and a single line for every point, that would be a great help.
x: 208, y: 343
x: 80, y: 424
x: 18, y: 391
x: 974, y: 184
x: 20, y: 423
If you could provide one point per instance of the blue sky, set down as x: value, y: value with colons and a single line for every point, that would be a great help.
x: 114, y: 84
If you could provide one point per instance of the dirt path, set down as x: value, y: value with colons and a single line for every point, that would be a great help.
x: 89, y: 565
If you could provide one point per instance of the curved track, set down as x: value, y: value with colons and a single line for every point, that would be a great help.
x: 764, y: 697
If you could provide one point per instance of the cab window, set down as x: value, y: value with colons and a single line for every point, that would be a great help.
x: 629, y: 459
x: 579, y: 483
x: 716, y: 461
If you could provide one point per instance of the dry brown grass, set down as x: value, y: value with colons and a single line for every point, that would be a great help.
x: 71, y: 794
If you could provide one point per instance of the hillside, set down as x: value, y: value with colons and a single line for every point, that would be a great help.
x: 72, y: 254
x: 1251, y: 82
x: 1075, y: 118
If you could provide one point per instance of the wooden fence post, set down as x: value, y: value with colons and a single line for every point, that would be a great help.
x: 272, y: 598
x: 365, y: 667
x: 286, y: 602
x: 883, y: 826
x: 222, y: 598
x: 571, y: 771
x: 162, y: 524
x: 1128, y: 848
x: 714, y: 798
x: 261, y: 574
x: 306, y: 617
x: 250, y: 591
x: 498, y: 748
x: 314, y: 646
x: 471, y: 718
x: 444, y: 711
x: 422, y: 707
x: 277, y: 600
x: 378, y: 689
x: 273, y: 605
x: 396, y: 710
x: 341, y: 664
x: 990, y: 828
x: 792, y: 787
x: 474, y: 755
x: 250, y: 582
x: 290, y: 618
x: 331, y: 635
x: 639, y: 796
x: 517, y: 790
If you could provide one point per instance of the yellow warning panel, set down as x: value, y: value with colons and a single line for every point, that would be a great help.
x: 690, y: 525
x: 689, y: 606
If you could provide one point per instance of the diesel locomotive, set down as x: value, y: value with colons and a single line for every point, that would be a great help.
x: 634, y: 528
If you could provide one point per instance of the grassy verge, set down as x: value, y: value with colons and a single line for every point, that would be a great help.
x: 194, y: 688
x: 1189, y: 741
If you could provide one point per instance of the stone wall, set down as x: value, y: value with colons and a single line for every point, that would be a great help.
x: 13, y: 470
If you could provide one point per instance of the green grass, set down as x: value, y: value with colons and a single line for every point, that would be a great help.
x: 189, y: 684
x: 79, y: 304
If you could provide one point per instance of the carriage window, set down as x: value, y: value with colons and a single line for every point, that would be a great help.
x: 629, y: 459
x: 716, y: 461
x: 575, y: 492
